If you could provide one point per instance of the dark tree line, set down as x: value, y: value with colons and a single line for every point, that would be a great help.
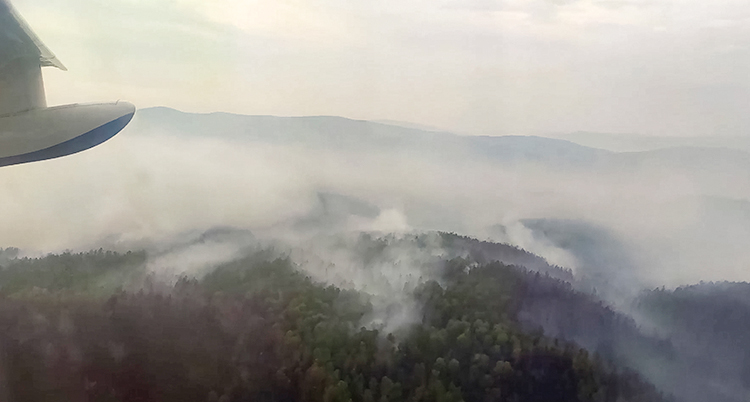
x: 258, y: 329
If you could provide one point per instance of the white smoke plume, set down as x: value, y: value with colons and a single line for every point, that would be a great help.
x: 149, y: 185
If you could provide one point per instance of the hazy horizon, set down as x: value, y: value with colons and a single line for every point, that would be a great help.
x: 480, y: 67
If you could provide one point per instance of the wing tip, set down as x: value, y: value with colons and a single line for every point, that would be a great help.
x: 53, y: 62
x: 46, y: 57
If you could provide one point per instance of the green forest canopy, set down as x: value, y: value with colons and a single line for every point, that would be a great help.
x: 259, y: 329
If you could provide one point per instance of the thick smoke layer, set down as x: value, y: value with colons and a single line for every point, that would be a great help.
x: 350, y: 202
x: 679, y: 216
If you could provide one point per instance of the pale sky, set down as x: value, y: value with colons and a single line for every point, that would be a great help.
x: 658, y: 67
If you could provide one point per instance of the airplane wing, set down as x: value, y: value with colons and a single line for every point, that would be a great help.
x: 29, y: 130
x: 17, y: 40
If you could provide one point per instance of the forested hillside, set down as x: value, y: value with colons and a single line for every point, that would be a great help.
x: 709, y: 325
x: 259, y: 328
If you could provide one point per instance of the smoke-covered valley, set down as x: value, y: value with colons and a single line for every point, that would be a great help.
x: 368, y: 207
x: 663, y: 216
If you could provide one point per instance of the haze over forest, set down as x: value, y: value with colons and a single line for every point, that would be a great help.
x: 517, y: 201
x: 203, y: 196
x: 663, y: 216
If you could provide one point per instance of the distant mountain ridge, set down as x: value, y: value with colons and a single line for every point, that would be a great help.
x: 637, y: 143
x: 347, y: 133
x: 331, y: 132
